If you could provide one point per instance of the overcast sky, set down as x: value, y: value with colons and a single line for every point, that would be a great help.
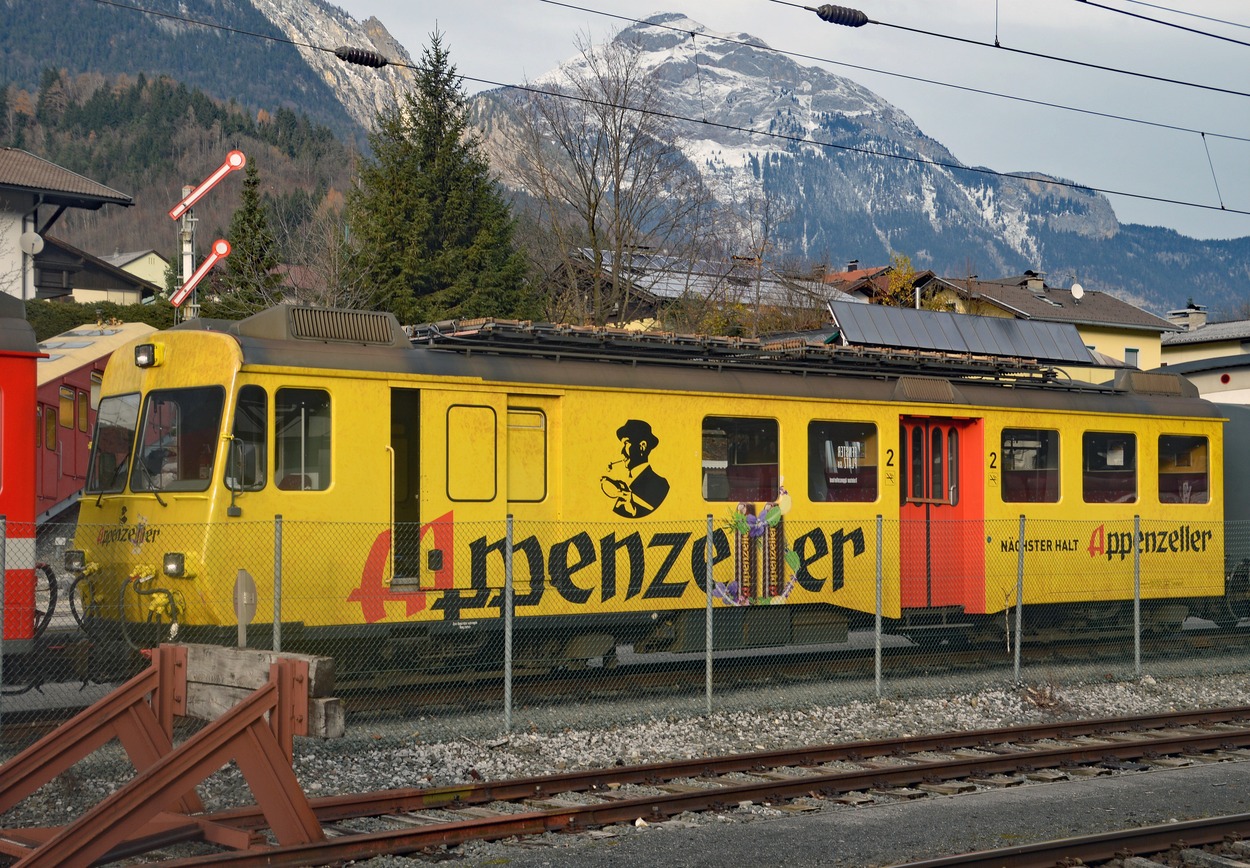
x: 510, y: 42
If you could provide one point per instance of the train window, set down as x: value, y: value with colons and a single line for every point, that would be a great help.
x: 527, y: 455
x: 301, y: 421
x: 1030, y: 466
x: 918, y: 490
x: 110, y: 445
x: 177, y: 439
x: 740, y: 459
x: 1183, y: 469
x: 66, y: 410
x: 842, y: 461
x: 952, y: 467
x: 472, y: 456
x: 49, y: 429
x: 38, y: 425
x: 82, y: 411
x: 1110, y: 467
x: 97, y: 382
x: 246, y: 459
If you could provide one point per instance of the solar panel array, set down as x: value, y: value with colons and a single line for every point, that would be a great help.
x: 873, y: 325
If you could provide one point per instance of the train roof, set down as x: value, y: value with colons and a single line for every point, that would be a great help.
x: 84, y: 345
x: 554, y: 355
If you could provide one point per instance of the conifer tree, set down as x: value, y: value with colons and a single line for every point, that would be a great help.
x: 246, y: 282
x: 433, y: 235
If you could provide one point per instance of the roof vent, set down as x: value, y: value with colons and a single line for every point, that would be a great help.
x: 926, y: 389
x: 286, y: 321
x: 1154, y: 383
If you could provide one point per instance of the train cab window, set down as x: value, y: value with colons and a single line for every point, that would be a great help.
x: 842, y: 461
x: 1030, y: 466
x: 246, y: 458
x: 301, y: 420
x: 527, y: 455
x: 1183, y: 469
x: 177, y: 439
x: 82, y: 412
x: 740, y: 460
x: 110, y: 445
x: 1110, y: 467
x: 66, y: 409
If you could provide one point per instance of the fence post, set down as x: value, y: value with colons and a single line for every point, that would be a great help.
x: 877, y: 623
x: 1019, y: 596
x: 507, y: 624
x: 707, y: 621
x: 277, y: 583
x: 1137, y: 596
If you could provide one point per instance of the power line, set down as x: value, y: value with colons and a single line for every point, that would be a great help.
x: 1190, y: 14
x: 1026, y: 53
x: 920, y: 79
x: 1164, y: 23
x: 980, y: 170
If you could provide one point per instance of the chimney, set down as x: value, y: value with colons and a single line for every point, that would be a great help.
x: 1035, y: 281
x: 1192, y: 317
x: 853, y: 265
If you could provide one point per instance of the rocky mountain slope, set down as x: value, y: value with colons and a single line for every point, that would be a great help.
x: 859, y: 180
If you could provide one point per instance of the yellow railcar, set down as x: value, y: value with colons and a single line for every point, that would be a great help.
x: 369, y: 482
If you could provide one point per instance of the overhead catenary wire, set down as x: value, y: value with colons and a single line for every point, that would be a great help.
x: 728, y: 40
x: 979, y: 170
x: 1026, y: 53
x: 1165, y: 23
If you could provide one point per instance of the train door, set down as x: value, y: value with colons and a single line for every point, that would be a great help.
x: 942, y: 512
x: 48, y: 457
x: 406, y: 482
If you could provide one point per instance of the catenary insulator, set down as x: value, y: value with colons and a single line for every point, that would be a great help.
x: 360, y: 56
x: 843, y: 15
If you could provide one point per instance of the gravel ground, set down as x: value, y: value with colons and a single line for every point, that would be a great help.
x: 440, y: 750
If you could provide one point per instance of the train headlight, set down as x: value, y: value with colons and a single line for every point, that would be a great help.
x: 75, y: 560
x: 175, y: 565
x: 147, y: 355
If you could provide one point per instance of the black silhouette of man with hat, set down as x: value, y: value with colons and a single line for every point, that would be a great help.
x: 644, y: 489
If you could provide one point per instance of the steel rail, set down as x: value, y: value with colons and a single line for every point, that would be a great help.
x: 1103, y: 846
x: 1002, y: 755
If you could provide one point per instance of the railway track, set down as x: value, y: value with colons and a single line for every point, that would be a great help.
x: 427, y: 821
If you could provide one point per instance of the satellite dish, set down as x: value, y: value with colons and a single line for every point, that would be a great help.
x: 1078, y: 291
x: 31, y: 242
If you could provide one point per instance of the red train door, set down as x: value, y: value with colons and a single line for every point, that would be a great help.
x: 48, y: 459
x: 942, y: 513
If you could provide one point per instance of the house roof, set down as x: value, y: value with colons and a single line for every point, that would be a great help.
x: 733, y: 280
x: 121, y: 260
x: 94, y: 264
x: 22, y: 170
x: 1212, y: 332
x: 1027, y: 297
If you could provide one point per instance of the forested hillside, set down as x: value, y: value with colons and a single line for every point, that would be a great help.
x: 109, y: 40
x: 149, y: 138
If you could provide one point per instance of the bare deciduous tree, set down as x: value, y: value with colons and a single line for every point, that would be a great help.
x: 599, y: 157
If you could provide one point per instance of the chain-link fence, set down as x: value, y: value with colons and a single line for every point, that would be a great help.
x: 520, y: 618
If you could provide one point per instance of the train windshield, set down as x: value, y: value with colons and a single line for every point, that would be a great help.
x: 177, y: 439
x: 110, y: 448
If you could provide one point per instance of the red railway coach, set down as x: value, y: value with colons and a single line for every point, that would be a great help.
x: 68, y: 395
x: 19, y: 355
